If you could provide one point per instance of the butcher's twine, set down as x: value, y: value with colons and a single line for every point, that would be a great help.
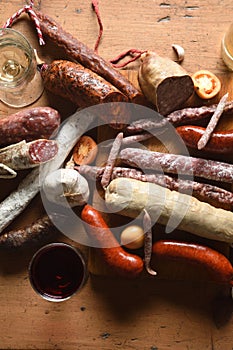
x: 27, y: 9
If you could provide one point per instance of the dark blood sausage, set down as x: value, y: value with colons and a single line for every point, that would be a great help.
x: 178, y: 164
x: 216, y: 196
x: 78, y: 84
x: 220, y: 142
x: 79, y: 52
x: 120, y: 261
x: 214, y: 263
x: 28, y: 125
x: 42, y: 228
x: 41, y: 151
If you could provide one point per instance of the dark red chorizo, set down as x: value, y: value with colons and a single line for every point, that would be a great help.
x: 79, y: 52
x: 214, y: 263
x: 120, y: 261
x: 78, y: 84
x: 29, y: 124
x: 220, y: 142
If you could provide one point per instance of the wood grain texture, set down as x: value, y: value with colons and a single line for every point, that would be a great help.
x: 112, y: 313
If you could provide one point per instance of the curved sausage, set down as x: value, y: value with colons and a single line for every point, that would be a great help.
x: 220, y: 142
x: 29, y: 124
x: 120, y: 261
x: 79, y: 52
x: 215, y: 263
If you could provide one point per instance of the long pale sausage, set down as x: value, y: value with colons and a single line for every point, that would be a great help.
x: 120, y: 261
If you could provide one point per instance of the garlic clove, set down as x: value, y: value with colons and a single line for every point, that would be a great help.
x: 179, y: 50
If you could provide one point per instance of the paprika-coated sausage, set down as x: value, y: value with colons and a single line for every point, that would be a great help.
x: 215, y: 263
x: 220, y: 142
x: 120, y: 261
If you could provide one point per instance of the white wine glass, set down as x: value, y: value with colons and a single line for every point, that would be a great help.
x: 227, y: 47
x: 20, y: 81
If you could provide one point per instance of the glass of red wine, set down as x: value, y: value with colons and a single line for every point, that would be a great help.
x: 57, y: 271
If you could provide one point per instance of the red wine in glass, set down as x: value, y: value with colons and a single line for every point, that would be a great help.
x: 57, y: 271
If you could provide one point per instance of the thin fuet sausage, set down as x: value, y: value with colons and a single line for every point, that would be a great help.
x: 120, y: 261
x: 215, y: 263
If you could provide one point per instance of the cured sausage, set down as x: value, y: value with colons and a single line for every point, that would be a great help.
x: 174, y: 210
x: 182, y: 116
x: 190, y: 114
x: 28, y: 125
x: 25, y: 155
x: 221, y: 142
x: 164, y: 82
x: 41, y: 228
x: 120, y: 261
x: 178, y: 164
x: 78, y: 84
x: 216, y: 196
x: 79, y: 52
x: 215, y: 263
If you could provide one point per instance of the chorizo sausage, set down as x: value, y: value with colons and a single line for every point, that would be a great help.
x: 78, y: 84
x: 84, y: 88
x: 79, y: 52
x: 120, y: 261
x: 215, y: 263
x: 221, y: 142
x: 28, y: 125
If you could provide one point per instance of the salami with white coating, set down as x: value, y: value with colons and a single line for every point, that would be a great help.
x: 178, y: 164
x: 25, y: 155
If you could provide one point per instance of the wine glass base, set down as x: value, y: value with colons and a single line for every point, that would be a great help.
x: 26, y: 95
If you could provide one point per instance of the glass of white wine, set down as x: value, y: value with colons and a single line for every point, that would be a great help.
x: 227, y: 47
x: 20, y: 81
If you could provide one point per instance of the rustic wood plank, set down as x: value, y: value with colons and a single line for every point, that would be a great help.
x: 110, y: 313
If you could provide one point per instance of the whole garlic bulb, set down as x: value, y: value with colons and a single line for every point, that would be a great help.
x: 66, y: 187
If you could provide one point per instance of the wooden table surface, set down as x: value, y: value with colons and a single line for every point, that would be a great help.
x: 113, y: 313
